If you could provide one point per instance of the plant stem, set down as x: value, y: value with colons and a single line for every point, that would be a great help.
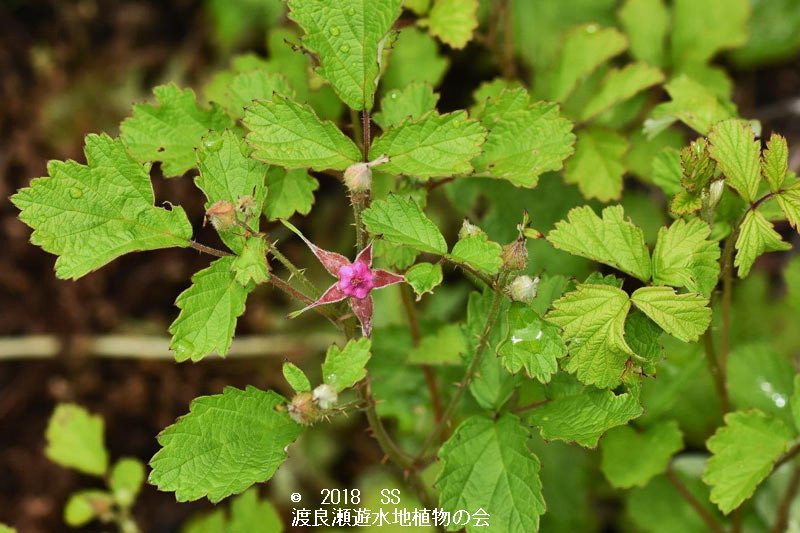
x: 693, y: 502
x: 366, y: 127
x: 430, y: 375
x: 785, y: 458
x: 727, y: 294
x: 208, y: 249
x: 296, y: 272
x: 489, y: 283
x: 782, y: 513
x: 714, y: 369
x: 294, y: 293
x: 361, y: 234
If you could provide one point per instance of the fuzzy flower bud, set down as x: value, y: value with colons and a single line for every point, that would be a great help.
x: 523, y: 288
x: 358, y: 176
x: 222, y: 215
x: 303, y: 409
x: 325, y: 396
x: 247, y: 205
x: 515, y: 255
x: 468, y: 229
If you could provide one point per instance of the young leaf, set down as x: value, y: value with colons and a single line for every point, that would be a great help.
x: 75, y: 440
x: 611, y: 240
x: 738, y: 154
x: 401, y: 221
x: 684, y: 316
x: 84, y: 506
x: 452, y: 21
x: 620, y: 85
x: 424, y: 277
x: 209, y: 309
x: 789, y: 200
x: 348, y: 37
x: 695, y: 41
x: 667, y: 171
x: 251, y: 263
x: 285, y: 133
x: 756, y: 237
x: 258, y: 84
x: 631, y: 459
x: 413, y: 101
x: 478, y: 252
x: 344, y: 368
x: 171, y: 131
x: 646, y: 23
x: 593, y: 322
x: 531, y: 343
x: 415, y: 57
x: 125, y: 480
x: 487, y: 465
x: 90, y: 214
x: 598, y: 164
x: 775, y: 162
x: 743, y: 454
x: 692, y: 103
x: 442, y: 348
x: 289, y: 192
x: 684, y: 256
x: 296, y: 378
x: 223, y: 445
x: 435, y: 145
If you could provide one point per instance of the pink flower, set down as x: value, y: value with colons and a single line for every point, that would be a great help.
x: 355, y: 281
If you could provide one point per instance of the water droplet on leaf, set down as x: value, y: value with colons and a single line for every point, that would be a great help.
x: 335, y: 31
x: 75, y: 192
x: 344, y: 48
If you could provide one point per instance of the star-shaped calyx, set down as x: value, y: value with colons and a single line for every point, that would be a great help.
x: 355, y: 281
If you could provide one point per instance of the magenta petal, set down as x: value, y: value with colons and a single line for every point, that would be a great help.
x: 332, y: 295
x: 332, y: 261
x: 383, y: 278
x: 365, y: 256
x: 363, y: 310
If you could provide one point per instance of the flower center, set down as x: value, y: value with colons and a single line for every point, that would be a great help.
x: 356, y: 280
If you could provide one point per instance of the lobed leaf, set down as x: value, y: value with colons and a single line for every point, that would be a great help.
x: 401, y: 221
x: 290, y: 192
x: 413, y: 101
x: 343, y: 368
x: 775, y: 162
x: 531, y: 343
x: 631, y: 458
x: 756, y: 236
x: 738, y: 154
x: 478, y: 252
x: 424, y: 277
x: 684, y: 316
x: 598, y: 164
x: 620, y: 85
x: 646, y: 23
x: 685, y: 256
x: 452, y: 21
x: 250, y: 266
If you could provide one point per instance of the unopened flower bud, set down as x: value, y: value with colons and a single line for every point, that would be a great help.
x: 468, y: 229
x: 222, y: 215
x: 325, y: 396
x: 247, y: 205
x: 515, y: 255
x: 303, y: 409
x: 523, y: 288
x: 358, y: 176
x: 714, y: 193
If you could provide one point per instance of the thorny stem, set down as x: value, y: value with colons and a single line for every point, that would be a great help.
x: 296, y: 294
x: 727, y: 293
x: 208, y: 249
x: 693, y: 502
x: 714, y: 368
x: 782, y: 513
x: 296, y: 272
x: 366, y: 125
x: 489, y: 283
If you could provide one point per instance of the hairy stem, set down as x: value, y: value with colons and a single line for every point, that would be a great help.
x: 693, y: 502
x: 366, y: 127
x: 208, y: 249
x: 782, y: 513
x: 296, y: 272
x: 727, y: 296
x: 430, y: 375
x: 716, y: 372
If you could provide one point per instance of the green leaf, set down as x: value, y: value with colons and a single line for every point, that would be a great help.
x: 285, y: 133
x: 413, y: 101
x: 478, y: 252
x: 531, y: 343
x: 251, y: 515
x: 789, y: 201
x: 414, y: 57
x: 171, y: 131
x: 761, y: 377
x: 6, y: 529
x: 401, y: 221
x: 584, y: 49
x: 84, y: 506
x: 685, y: 203
x: 228, y: 173
x: 644, y: 337
x: 75, y: 440
x: 744, y: 452
x: 775, y: 162
x: 695, y: 41
x: 348, y: 37
x: 442, y: 348
x: 667, y: 171
x: 692, y: 103
x: 223, y: 445
x: 756, y: 236
x: 434, y: 145
x: 598, y: 164
x: 684, y: 316
x: 289, y: 192
x: 258, y: 84
x: 487, y: 465
x: 209, y: 309
x: 593, y: 322
x: 125, y: 480
x: 631, y: 459
x: 738, y: 154
x: 251, y: 264
x: 344, y: 368
x: 646, y: 23
x: 424, y: 277
x: 795, y: 402
x: 91, y: 214
x: 611, y: 240
x: 452, y: 21
x: 685, y: 256
x: 296, y: 378
x: 620, y: 85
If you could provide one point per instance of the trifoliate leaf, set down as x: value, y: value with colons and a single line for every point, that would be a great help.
x: 631, y: 459
x: 646, y: 23
x: 343, y: 368
x: 413, y: 101
x: 289, y: 192
x: 761, y: 377
x: 435, y: 145
x: 611, y: 240
x: 401, y: 221
x: 259, y: 84
x: 452, y: 21
x: 756, y: 236
x: 584, y: 49
x: 620, y: 85
x: 442, y: 348
x: 738, y: 155
x: 775, y: 162
x: 478, y: 252
x: 90, y: 214
x: 685, y: 256
x: 348, y: 37
x: 223, y: 445
x: 743, y: 454
x: 488, y: 466
x: 684, y: 316
x: 251, y: 263
x: 228, y: 173
x: 171, y: 131
x: 296, y: 378
x: 598, y: 164
x: 86, y: 505
x: 593, y: 322
x: 125, y: 480
x: 424, y: 277
x: 414, y: 57
x: 695, y: 41
x: 789, y: 200
x: 692, y: 103
x: 285, y: 133
x: 531, y: 343
x: 582, y: 414
x: 209, y: 309
x: 75, y: 440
